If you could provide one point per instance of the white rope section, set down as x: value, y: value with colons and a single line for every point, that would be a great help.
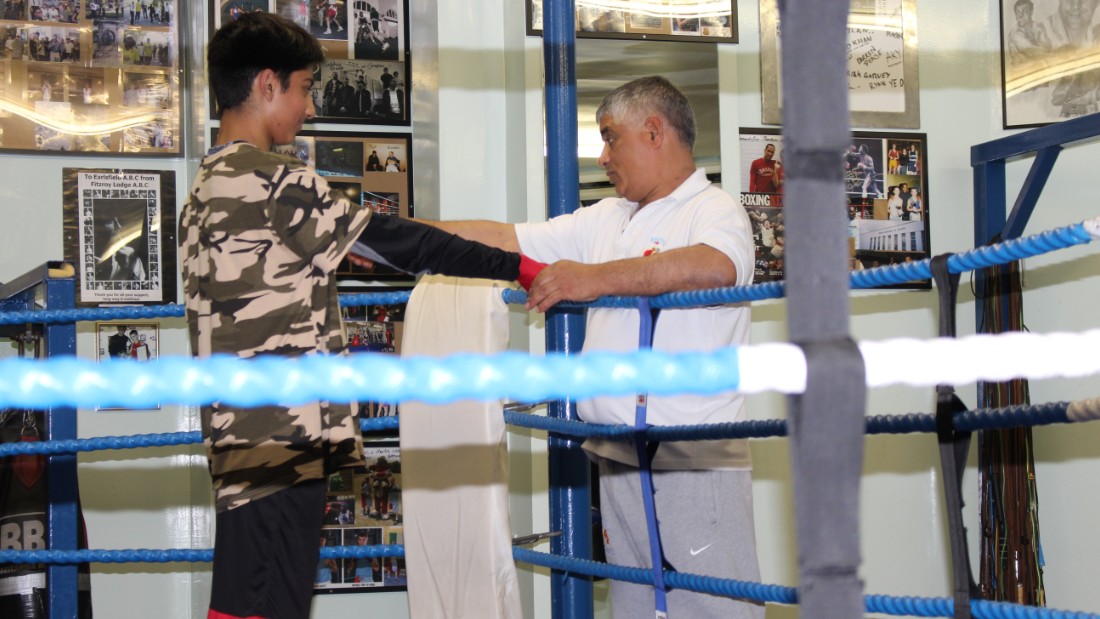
x: 1083, y: 410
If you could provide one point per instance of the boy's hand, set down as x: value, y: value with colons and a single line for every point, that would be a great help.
x: 528, y: 271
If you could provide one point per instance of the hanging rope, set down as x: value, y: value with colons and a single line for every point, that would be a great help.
x: 1011, y: 557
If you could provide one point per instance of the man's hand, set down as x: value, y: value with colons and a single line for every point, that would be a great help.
x: 563, y: 281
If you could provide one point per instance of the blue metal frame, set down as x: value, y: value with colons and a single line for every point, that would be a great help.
x: 569, y: 477
x: 992, y: 220
x: 44, y: 289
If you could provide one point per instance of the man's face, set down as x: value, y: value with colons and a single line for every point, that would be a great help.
x: 769, y: 152
x: 628, y: 157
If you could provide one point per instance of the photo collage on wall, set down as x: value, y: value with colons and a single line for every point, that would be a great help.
x: 93, y: 76
x: 364, y: 78
x: 887, y: 195
x: 374, y: 329
x: 363, y: 508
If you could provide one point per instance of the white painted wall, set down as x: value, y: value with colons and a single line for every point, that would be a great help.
x: 477, y: 121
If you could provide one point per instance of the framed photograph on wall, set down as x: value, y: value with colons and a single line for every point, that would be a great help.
x: 1046, y: 67
x: 364, y: 78
x: 887, y: 193
x: 119, y: 231
x: 133, y: 341
x: 97, y: 77
x: 883, y: 67
x: 657, y: 21
x: 363, y: 508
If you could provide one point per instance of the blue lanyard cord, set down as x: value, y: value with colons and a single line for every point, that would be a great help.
x: 646, y: 327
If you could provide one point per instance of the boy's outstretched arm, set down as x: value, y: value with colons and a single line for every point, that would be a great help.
x: 415, y: 247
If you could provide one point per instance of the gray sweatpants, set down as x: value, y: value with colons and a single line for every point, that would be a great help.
x: 706, y: 525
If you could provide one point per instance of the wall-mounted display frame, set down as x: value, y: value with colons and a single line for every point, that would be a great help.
x: 119, y: 230
x: 363, y: 508
x: 887, y: 190
x: 364, y: 78
x: 655, y: 20
x: 376, y: 328
x: 1046, y: 69
x: 883, y: 67
x: 133, y: 341
x: 95, y: 77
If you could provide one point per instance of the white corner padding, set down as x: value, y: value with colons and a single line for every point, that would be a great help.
x: 454, y: 460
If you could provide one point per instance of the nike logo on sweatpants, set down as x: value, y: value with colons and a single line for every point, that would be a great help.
x: 695, y: 552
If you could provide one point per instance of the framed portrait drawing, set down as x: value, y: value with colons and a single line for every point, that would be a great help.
x: 883, y: 68
x: 363, y: 508
x: 364, y: 78
x: 1047, y: 66
x: 133, y: 341
x: 119, y: 231
x: 90, y: 76
x: 710, y: 22
x: 887, y: 193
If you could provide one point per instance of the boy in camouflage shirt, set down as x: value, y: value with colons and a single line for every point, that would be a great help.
x: 261, y: 235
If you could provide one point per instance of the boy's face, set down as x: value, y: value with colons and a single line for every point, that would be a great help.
x: 293, y: 107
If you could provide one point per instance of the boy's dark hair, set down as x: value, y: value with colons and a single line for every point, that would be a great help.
x: 255, y: 41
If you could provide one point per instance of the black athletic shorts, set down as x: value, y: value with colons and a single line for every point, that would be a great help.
x: 266, y: 553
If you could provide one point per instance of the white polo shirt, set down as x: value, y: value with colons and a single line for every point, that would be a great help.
x: 615, y: 228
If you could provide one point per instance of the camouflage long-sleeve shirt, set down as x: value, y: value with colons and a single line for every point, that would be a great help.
x: 260, y: 238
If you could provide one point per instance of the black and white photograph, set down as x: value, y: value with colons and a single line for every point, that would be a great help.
x: 886, y: 194
x: 1044, y: 46
x: 363, y: 508
x: 120, y: 234
x: 364, y: 90
x: 378, y: 29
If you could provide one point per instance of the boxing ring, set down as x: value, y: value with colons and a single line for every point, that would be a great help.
x: 60, y: 384
x: 824, y: 371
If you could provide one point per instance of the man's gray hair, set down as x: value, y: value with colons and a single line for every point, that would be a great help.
x: 648, y: 95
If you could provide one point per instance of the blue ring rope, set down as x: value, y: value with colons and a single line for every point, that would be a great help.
x: 969, y: 421
x: 891, y: 605
x: 991, y: 255
x: 275, y: 379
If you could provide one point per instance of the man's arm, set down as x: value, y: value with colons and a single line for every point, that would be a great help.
x: 491, y: 233
x: 687, y: 268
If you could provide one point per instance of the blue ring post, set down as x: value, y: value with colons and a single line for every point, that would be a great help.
x: 61, y: 468
x: 570, y: 498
